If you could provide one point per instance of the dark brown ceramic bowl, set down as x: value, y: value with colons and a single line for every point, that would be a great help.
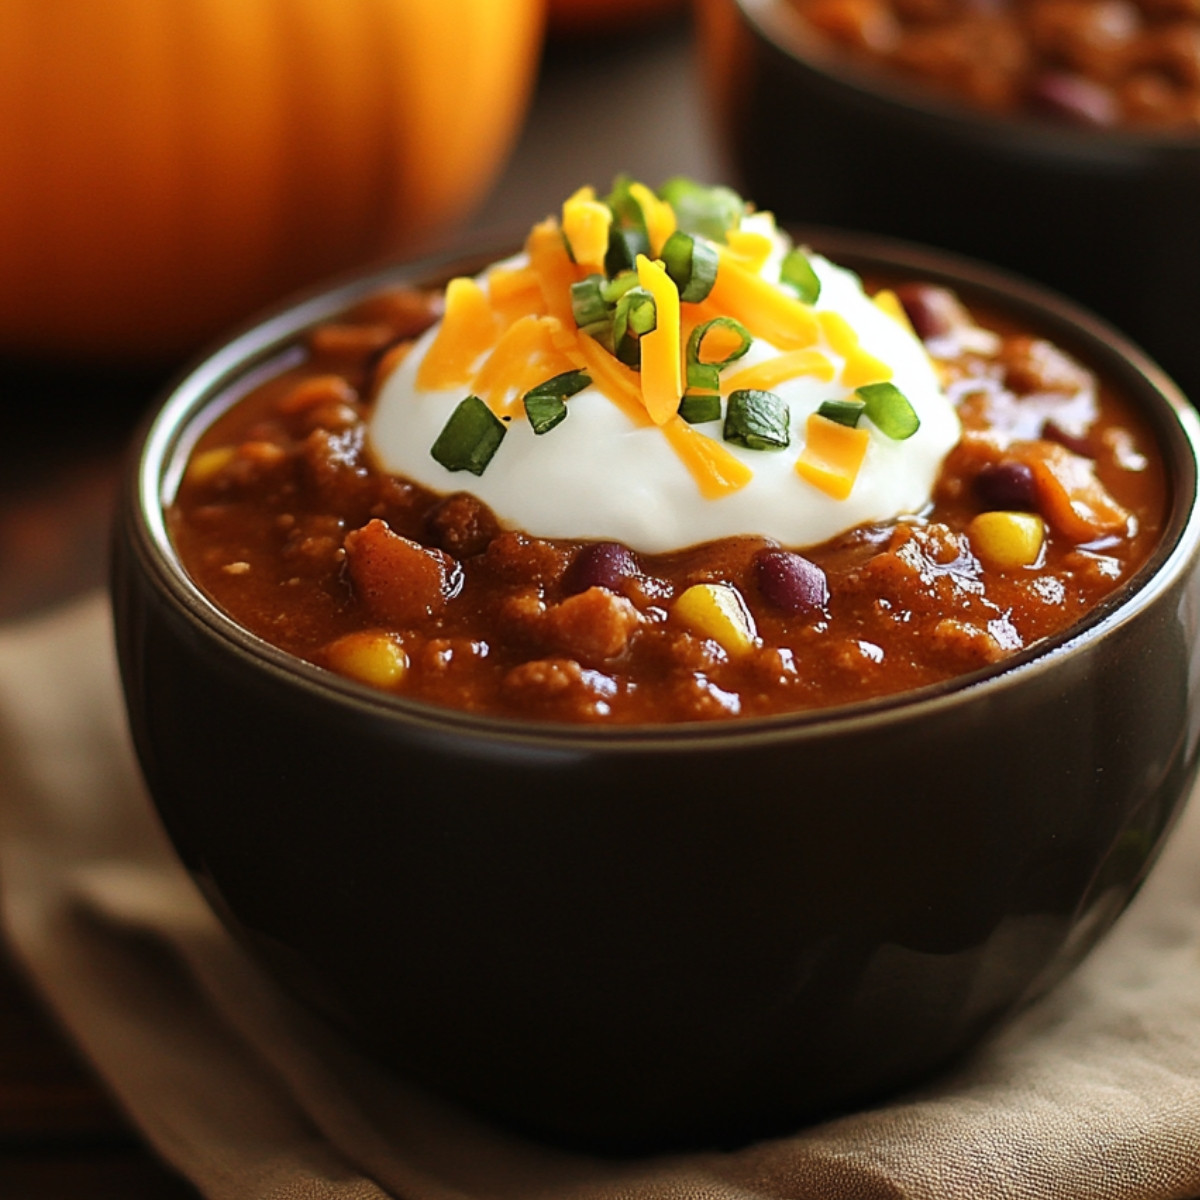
x: 1108, y: 217
x: 630, y: 938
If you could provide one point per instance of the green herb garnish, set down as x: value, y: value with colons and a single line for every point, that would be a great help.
x: 544, y: 411
x: 844, y: 412
x: 757, y: 420
x: 691, y: 262
x: 797, y: 272
x: 889, y: 409
x: 706, y: 375
x: 470, y: 437
x: 699, y: 209
x: 698, y: 407
x: 545, y: 404
x: 588, y: 304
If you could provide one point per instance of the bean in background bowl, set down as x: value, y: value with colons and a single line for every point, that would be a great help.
x: 1105, y: 215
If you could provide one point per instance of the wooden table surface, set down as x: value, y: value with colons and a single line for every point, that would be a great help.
x: 61, y: 1137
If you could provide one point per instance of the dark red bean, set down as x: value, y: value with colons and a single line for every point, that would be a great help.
x: 790, y: 581
x: 1073, y: 99
x: 601, y: 564
x: 933, y: 311
x: 1005, y: 485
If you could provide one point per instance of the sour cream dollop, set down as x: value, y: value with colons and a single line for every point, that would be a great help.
x: 599, y: 475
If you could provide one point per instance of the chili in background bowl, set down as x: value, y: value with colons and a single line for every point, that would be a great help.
x: 641, y: 937
x: 1105, y: 215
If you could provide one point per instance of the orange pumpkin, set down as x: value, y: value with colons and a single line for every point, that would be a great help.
x: 168, y: 167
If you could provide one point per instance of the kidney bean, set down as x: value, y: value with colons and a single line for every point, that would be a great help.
x: 601, y: 564
x: 934, y: 312
x: 1006, y: 484
x: 790, y: 581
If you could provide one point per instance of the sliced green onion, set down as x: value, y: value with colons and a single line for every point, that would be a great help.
x: 706, y: 376
x: 757, y: 420
x: 613, y: 289
x: 697, y: 407
x: 544, y: 410
x: 708, y: 211
x: 637, y: 311
x: 587, y: 301
x: 470, y: 437
x: 624, y: 245
x: 626, y: 210
x: 844, y: 412
x: 564, y: 385
x: 889, y: 409
x: 692, y: 265
x: 797, y: 272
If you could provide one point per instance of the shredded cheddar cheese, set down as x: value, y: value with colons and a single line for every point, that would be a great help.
x: 524, y: 356
x: 658, y: 214
x: 554, y: 269
x: 750, y: 246
x: 773, y: 371
x: 716, y: 471
x: 859, y: 367
x: 832, y: 456
x: 761, y: 307
x: 586, y: 223
x: 469, y: 329
x: 662, y: 363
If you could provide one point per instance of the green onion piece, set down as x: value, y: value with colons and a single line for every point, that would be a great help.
x: 624, y: 245
x: 706, y: 375
x: 613, y: 289
x: 697, y: 407
x: 699, y: 209
x: 844, y: 412
x: 635, y: 314
x: 562, y: 386
x: 587, y: 301
x: 797, y: 272
x: 757, y: 420
x: 544, y: 410
x: 626, y: 210
x: 889, y: 409
x: 692, y: 265
x: 470, y: 437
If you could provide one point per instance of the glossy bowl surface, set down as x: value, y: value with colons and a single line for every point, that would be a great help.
x: 640, y: 938
x: 1107, y: 217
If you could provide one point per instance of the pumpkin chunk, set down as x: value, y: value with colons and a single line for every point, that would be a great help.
x: 1074, y: 502
x: 400, y: 581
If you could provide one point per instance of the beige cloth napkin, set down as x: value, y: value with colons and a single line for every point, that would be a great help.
x: 1093, y: 1093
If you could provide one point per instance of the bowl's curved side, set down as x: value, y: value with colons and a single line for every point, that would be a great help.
x: 1108, y: 219
x: 632, y: 946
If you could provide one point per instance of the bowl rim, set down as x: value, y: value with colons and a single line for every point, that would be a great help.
x: 263, y: 346
x: 779, y: 25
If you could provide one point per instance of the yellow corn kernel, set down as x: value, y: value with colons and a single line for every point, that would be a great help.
x: 209, y: 463
x: 1007, y: 539
x: 371, y: 657
x: 718, y: 611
